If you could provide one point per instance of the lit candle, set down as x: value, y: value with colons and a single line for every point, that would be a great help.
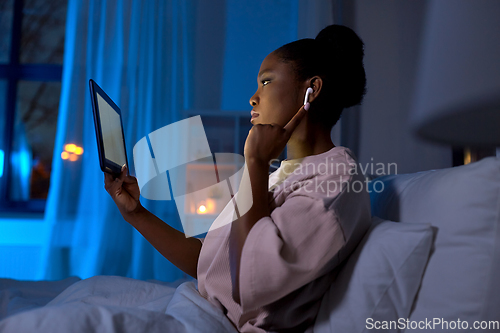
x: 202, y: 209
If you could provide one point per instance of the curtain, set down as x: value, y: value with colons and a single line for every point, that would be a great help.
x: 136, y: 51
x: 155, y: 59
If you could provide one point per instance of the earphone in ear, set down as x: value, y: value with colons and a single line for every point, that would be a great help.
x: 308, y: 91
x: 306, y: 99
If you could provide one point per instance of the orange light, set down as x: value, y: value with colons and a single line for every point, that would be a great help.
x: 70, y: 147
x: 202, y: 209
x: 467, y: 155
x: 78, y: 150
x: 73, y: 157
x: 64, y: 155
x: 210, y: 206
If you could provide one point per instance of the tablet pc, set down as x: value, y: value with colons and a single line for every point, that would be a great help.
x: 109, y: 131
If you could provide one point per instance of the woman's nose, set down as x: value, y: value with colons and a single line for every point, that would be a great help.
x: 253, y: 100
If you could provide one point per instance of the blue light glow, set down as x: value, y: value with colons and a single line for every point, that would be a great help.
x: 1, y: 162
x: 21, y: 172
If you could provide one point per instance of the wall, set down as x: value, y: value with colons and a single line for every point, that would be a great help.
x: 391, y: 31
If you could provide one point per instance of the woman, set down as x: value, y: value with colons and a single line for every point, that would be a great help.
x: 268, y: 270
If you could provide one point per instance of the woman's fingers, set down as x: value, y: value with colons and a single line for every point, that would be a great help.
x: 266, y: 141
x: 123, y: 173
x: 111, y: 183
x: 124, y: 190
x: 130, y: 180
x: 124, y: 177
x: 108, y: 181
x: 295, y: 121
x: 108, y: 178
x: 115, y: 187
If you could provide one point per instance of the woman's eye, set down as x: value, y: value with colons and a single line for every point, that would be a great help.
x: 265, y: 82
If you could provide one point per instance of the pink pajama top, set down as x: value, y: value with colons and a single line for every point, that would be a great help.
x: 320, y: 209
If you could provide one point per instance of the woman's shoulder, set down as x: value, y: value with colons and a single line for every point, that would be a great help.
x: 337, y: 154
x: 324, y: 176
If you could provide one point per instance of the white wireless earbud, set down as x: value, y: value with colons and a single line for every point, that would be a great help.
x: 309, y: 91
x: 306, y: 99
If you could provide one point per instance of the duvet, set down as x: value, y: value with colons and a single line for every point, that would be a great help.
x: 107, y: 304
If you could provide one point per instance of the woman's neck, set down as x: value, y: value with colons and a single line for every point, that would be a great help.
x: 308, y: 140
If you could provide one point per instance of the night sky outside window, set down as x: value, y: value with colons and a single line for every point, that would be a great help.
x: 30, y: 83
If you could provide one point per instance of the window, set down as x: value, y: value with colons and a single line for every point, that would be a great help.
x: 31, y: 58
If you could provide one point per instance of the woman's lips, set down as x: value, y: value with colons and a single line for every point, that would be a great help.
x: 254, y: 114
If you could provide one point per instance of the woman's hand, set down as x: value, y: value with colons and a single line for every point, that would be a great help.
x: 266, y: 141
x: 124, y: 190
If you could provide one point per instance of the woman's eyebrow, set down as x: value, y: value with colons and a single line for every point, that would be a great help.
x: 264, y: 71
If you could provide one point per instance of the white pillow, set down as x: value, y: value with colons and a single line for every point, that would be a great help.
x: 462, y: 276
x: 379, y: 280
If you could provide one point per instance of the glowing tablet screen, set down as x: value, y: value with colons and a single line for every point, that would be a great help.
x: 111, y: 130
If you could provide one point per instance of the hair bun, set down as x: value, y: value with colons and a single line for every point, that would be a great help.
x: 342, y: 41
x: 343, y: 53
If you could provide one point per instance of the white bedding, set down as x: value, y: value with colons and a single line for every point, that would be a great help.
x: 107, y: 304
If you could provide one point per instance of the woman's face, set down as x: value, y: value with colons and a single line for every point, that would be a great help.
x: 279, y: 95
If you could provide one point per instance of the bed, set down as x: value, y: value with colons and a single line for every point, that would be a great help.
x: 107, y: 304
x: 431, y: 254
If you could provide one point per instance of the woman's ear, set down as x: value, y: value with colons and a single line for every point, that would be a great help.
x: 316, y: 83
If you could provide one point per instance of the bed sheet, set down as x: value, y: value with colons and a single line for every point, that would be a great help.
x: 107, y: 304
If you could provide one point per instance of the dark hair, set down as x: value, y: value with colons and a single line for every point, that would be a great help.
x: 336, y: 55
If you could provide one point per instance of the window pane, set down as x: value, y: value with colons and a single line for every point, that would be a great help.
x: 6, y: 14
x: 245, y: 126
x: 220, y: 133
x: 43, y: 27
x: 34, y: 135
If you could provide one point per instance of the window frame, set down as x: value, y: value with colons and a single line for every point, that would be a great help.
x: 13, y: 72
